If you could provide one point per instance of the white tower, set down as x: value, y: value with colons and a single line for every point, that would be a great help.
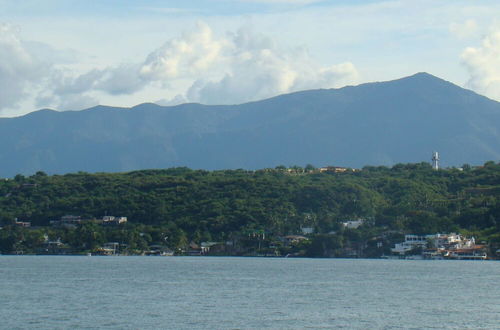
x: 435, y: 160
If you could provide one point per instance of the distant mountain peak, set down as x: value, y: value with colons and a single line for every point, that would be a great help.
x: 422, y: 76
x: 426, y: 83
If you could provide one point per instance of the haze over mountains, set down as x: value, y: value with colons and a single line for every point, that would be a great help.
x: 371, y: 124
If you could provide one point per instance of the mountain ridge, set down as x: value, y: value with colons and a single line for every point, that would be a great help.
x: 139, y: 106
x: 379, y: 123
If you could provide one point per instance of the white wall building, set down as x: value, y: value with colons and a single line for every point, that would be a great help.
x: 353, y: 224
x: 411, y: 242
x: 438, y: 242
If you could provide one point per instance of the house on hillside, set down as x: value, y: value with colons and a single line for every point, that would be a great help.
x: 412, y: 242
x: 307, y: 230
x: 353, y: 224
x: 333, y: 169
x: 53, y: 247
x: 109, y: 220
x: 68, y: 221
x: 24, y: 224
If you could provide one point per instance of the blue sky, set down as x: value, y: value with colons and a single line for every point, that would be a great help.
x: 70, y: 55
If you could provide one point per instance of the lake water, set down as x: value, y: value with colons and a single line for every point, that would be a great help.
x: 59, y: 292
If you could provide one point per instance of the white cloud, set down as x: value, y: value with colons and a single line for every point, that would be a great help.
x: 20, y: 68
x: 483, y: 65
x: 239, y: 67
x: 186, y: 57
x: 66, y: 91
x: 32, y: 70
x: 257, y: 68
x: 122, y: 79
x: 385, y: 39
x: 176, y: 100
x: 189, y: 55
x: 77, y: 102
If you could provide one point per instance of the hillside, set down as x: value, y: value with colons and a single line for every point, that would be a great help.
x: 378, y: 123
x: 195, y: 205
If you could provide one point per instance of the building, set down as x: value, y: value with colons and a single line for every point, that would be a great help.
x: 214, y: 247
x: 441, y: 246
x: 353, y: 224
x: 159, y: 250
x: 412, y: 242
x: 307, y: 230
x: 24, y: 224
x: 108, y: 249
x: 477, y: 252
x: 194, y: 249
x: 110, y: 220
x: 53, y: 247
x: 333, y: 169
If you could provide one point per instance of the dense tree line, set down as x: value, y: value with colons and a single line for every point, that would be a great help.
x: 179, y: 205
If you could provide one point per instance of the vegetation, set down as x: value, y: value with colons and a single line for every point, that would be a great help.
x: 253, y: 209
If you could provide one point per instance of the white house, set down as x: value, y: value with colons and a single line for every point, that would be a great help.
x: 353, y: 224
x: 411, y: 242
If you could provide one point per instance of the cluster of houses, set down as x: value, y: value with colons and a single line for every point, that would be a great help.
x: 326, y: 169
x: 434, y: 246
x: 71, y: 221
x: 440, y: 246
x: 272, y: 247
x: 56, y: 247
x: 336, y: 169
x: 115, y: 248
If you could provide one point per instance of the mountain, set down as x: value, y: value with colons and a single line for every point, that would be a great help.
x: 379, y: 123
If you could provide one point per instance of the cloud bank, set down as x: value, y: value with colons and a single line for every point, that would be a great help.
x: 238, y: 67
x: 483, y: 65
x: 256, y: 67
x: 20, y: 69
x: 201, y: 66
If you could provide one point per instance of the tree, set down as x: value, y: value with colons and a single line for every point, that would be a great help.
x: 310, y: 168
x: 324, y: 246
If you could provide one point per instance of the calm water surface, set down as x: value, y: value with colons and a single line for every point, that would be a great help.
x: 43, y: 292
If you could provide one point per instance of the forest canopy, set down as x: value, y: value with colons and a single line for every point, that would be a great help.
x: 196, y: 205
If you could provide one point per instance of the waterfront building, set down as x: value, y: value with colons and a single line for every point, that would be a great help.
x: 440, y: 246
x: 412, y: 242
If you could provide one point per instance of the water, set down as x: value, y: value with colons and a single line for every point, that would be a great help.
x: 59, y: 292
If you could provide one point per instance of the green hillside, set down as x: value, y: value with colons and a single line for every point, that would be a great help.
x: 174, y: 207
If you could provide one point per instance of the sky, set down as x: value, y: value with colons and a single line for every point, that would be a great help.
x: 75, y: 54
